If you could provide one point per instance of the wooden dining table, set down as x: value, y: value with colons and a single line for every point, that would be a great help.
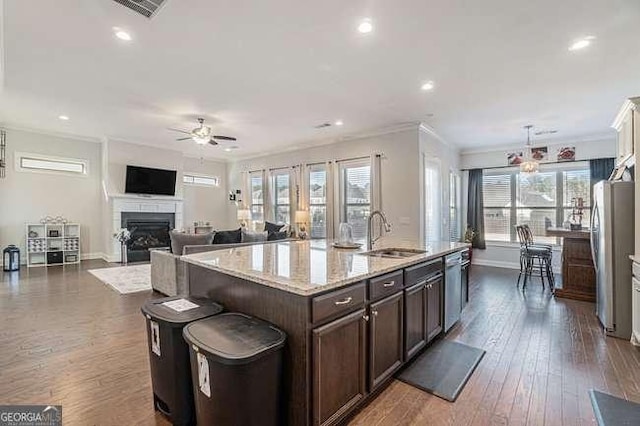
x: 578, y: 272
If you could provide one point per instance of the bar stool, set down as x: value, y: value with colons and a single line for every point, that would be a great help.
x: 534, y: 256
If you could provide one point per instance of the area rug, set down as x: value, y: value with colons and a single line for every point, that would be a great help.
x: 443, y: 369
x: 125, y: 279
x: 613, y: 411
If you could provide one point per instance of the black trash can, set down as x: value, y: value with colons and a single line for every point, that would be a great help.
x: 236, y: 362
x: 169, y: 353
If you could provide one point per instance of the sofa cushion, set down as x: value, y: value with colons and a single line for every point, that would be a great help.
x: 228, y: 237
x: 273, y: 227
x: 181, y: 239
x: 253, y: 237
x: 273, y: 236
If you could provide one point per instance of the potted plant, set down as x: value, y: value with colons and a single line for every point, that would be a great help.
x: 123, y: 236
x: 469, y: 235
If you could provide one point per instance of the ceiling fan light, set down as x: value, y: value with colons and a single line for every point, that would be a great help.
x: 200, y: 140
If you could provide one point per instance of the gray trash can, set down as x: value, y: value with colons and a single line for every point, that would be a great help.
x: 169, y: 353
x: 236, y: 362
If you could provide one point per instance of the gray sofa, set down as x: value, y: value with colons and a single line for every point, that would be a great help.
x: 169, y: 271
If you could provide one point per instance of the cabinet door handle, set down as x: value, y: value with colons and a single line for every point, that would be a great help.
x: 389, y: 284
x: 345, y: 301
x: 365, y: 317
x: 638, y: 289
x: 375, y: 313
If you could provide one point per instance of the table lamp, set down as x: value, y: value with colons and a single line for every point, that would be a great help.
x: 301, y: 219
x: 244, y: 215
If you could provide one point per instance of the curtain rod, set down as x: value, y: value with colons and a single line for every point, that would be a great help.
x: 316, y: 163
x: 542, y: 164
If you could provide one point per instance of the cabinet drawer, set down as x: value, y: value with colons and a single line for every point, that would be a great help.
x: 341, y: 301
x: 635, y: 267
x: 385, y: 285
x: 417, y: 273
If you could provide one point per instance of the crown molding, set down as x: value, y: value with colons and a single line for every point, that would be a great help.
x: 39, y: 131
x: 629, y: 105
x: 308, y: 144
x: 425, y: 128
x: 599, y: 137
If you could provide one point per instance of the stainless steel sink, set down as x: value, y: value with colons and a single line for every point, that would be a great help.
x: 394, y: 253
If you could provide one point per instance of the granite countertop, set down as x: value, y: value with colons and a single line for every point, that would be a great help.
x: 313, y: 266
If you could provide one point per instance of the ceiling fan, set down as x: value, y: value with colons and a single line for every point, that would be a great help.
x: 202, y: 135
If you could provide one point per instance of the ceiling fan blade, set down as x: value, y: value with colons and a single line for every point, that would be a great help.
x: 224, y: 138
x: 212, y: 142
x: 183, y: 139
x: 178, y: 130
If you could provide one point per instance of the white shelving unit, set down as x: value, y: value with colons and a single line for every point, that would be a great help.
x: 52, y: 244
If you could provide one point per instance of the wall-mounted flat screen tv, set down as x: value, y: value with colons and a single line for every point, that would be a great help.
x: 144, y: 180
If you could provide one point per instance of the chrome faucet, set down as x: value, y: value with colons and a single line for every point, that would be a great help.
x: 387, y: 228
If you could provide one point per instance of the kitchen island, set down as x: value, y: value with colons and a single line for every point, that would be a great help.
x: 351, y: 319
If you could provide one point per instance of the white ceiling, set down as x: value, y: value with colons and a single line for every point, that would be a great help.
x: 269, y: 71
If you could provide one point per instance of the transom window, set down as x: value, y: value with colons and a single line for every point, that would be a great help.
x: 540, y: 200
x: 192, y: 179
x: 46, y: 164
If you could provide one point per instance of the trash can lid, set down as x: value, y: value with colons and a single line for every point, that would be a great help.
x: 177, y: 311
x: 234, y: 338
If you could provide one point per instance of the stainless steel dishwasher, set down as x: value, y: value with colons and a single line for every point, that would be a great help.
x: 452, y: 290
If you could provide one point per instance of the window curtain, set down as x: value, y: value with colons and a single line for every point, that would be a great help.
x: 246, y: 191
x: 475, y: 208
x: 600, y: 169
x: 267, y: 198
x: 376, y: 188
x: 331, y: 198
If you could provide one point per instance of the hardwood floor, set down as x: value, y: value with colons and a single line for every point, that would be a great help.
x: 543, y: 355
x: 68, y: 339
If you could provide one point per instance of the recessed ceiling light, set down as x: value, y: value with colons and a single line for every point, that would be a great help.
x: 428, y: 85
x: 339, y: 123
x: 365, y: 26
x: 581, y: 43
x: 121, y: 34
x: 231, y: 148
x: 63, y: 117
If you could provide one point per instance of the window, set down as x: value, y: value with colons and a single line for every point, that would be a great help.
x: 540, y: 200
x: 281, y: 197
x: 257, y: 196
x: 318, y: 201
x: 192, y: 179
x: 454, y: 207
x: 355, y: 190
x: 432, y: 196
x: 45, y: 164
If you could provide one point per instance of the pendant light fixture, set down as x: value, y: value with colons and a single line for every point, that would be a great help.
x: 529, y: 164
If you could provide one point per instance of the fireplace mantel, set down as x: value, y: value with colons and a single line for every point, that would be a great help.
x: 120, y: 203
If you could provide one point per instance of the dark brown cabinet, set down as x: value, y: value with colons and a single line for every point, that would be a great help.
x: 339, y: 366
x: 415, y: 318
x: 434, y: 307
x: 386, y: 344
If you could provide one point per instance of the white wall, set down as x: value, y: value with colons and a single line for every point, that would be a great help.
x: 400, y: 173
x: 200, y: 203
x: 506, y: 255
x: 203, y: 203
x: 28, y: 196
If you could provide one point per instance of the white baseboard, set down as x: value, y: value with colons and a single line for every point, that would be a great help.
x: 111, y: 258
x: 91, y: 256
x: 504, y: 265
x: 495, y: 263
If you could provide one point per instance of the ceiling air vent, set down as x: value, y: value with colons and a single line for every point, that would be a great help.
x: 147, y: 8
x: 322, y: 126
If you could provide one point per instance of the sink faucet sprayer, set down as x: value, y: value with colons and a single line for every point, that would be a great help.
x: 385, y: 223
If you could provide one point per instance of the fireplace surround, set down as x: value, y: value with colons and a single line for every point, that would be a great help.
x: 148, y: 231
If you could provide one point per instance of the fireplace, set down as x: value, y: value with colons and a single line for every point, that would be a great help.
x: 148, y: 231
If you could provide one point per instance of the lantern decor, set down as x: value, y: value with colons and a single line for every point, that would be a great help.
x: 11, y: 258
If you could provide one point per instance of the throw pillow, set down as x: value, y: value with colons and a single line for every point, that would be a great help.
x: 253, y: 237
x: 180, y: 239
x: 273, y: 236
x: 228, y: 237
x: 273, y: 227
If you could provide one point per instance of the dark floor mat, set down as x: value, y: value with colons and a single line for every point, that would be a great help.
x: 614, y: 411
x: 443, y: 369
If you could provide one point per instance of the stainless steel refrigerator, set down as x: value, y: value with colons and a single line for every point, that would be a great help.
x: 612, y: 241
